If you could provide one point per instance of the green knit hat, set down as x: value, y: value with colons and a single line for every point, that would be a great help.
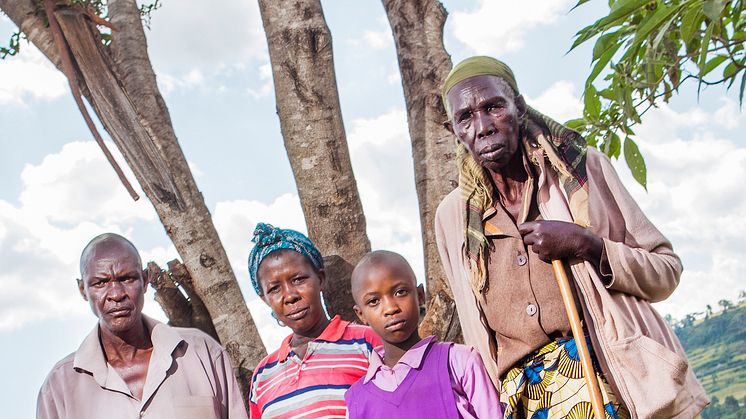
x: 477, y: 66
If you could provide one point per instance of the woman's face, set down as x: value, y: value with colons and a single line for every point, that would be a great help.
x: 291, y: 286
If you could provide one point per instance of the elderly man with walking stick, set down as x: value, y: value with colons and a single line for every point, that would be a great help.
x: 553, y: 266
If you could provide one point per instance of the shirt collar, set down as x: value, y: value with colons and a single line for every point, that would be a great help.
x: 412, y: 358
x: 90, y: 355
x: 332, y: 333
x: 492, y: 228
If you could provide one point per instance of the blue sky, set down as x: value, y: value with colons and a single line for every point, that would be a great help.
x: 57, y: 191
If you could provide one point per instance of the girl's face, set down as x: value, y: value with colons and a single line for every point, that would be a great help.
x: 291, y: 286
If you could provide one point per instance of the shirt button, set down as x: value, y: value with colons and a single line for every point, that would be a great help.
x: 521, y: 260
x: 531, y: 309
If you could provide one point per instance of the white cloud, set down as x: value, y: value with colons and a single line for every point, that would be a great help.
x: 695, y: 197
x: 381, y: 154
x: 265, y: 76
x: 69, y: 197
x: 30, y: 75
x: 494, y: 28
x: 558, y: 102
x: 193, y: 34
x: 78, y: 185
x: 379, y: 40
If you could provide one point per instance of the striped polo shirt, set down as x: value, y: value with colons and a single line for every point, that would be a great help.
x: 285, y: 386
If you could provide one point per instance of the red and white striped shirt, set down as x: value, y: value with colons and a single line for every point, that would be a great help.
x: 285, y: 386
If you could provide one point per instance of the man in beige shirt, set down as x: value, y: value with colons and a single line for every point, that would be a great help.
x: 130, y: 365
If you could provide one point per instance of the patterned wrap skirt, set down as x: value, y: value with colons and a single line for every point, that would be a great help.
x: 550, y: 384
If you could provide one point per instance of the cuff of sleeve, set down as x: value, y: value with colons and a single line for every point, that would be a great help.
x: 604, y: 266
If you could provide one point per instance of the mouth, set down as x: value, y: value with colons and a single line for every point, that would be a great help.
x: 297, y: 314
x: 395, y: 325
x: 491, y: 151
x: 120, y: 312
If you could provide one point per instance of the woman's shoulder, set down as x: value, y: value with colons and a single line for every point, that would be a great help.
x: 361, y: 334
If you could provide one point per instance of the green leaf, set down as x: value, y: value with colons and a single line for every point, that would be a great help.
x: 743, y: 83
x: 635, y: 162
x: 592, y: 102
x: 601, y: 64
x: 690, y: 23
x: 604, y: 43
x: 713, y: 9
x: 704, y: 46
x: 620, y: 11
x: 579, y: 3
x: 653, y: 21
x: 713, y: 64
x: 576, y: 124
x: 613, y: 146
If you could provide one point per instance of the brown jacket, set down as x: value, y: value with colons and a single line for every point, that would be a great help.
x: 640, y: 354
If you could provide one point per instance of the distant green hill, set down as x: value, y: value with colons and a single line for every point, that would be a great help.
x: 716, y: 347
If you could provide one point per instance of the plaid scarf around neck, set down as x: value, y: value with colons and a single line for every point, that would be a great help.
x: 566, y: 151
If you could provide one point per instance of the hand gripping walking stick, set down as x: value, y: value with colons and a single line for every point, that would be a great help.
x: 577, y: 333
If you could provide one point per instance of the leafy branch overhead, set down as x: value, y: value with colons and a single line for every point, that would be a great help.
x: 94, y: 8
x: 644, y: 51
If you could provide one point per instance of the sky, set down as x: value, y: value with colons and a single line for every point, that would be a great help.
x: 57, y: 191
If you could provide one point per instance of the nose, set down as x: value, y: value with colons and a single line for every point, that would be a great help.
x: 390, y: 307
x: 116, y: 291
x: 290, y: 294
x: 483, y: 125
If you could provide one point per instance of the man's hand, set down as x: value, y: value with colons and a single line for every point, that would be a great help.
x: 560, y: 240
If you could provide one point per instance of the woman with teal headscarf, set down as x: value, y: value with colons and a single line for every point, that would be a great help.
x: 313, y: 367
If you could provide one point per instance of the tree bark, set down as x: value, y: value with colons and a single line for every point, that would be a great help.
x: 300, y: 51
x: 174, y: 291
x: 119, y: 83
x: 417, y: 26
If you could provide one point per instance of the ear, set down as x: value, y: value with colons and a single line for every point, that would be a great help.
x: 359, y: 314
x: 81, y: 289
x: 420, y: 294
x: 520, y: 103
x: 322, y: 277
x: 449, y: 126
x: 147, y: 278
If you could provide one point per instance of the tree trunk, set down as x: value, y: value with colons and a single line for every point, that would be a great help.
x: 300, y: 51
x: 417, y: 26
x: 119, y: 83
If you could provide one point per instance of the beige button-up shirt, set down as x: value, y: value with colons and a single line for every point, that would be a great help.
x: 522, y: 303
x: 189, y: 376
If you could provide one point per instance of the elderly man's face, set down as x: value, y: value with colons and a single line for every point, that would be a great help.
x: 113, y: 285
x: 486, y: 118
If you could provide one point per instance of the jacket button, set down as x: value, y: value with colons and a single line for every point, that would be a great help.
x: 521, y: 260
x: 531, y: 309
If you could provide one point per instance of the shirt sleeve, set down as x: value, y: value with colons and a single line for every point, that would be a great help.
x: 471, y: 381
x: 233, y: 401
x: 47, y: 403
x: 643, y: 264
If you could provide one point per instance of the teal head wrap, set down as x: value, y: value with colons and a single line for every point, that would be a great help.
x: 267, y: 239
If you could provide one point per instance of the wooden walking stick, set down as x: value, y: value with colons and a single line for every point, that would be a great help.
x: 577, y: 333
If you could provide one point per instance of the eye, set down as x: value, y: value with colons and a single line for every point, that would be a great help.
x: 401, y: 292
x: 299, y: 279
x: 98, y: 284
x: 372, y: 302
x: 463, y: 117
x: 273, y: 289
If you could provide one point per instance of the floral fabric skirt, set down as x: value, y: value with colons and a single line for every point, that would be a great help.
x: 550, y: 384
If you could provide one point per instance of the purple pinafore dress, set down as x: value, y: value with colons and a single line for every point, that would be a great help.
x: 425, y: 393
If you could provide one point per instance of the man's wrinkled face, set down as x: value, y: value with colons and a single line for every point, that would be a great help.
x: 486, y: 117
x: 113, y: 285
